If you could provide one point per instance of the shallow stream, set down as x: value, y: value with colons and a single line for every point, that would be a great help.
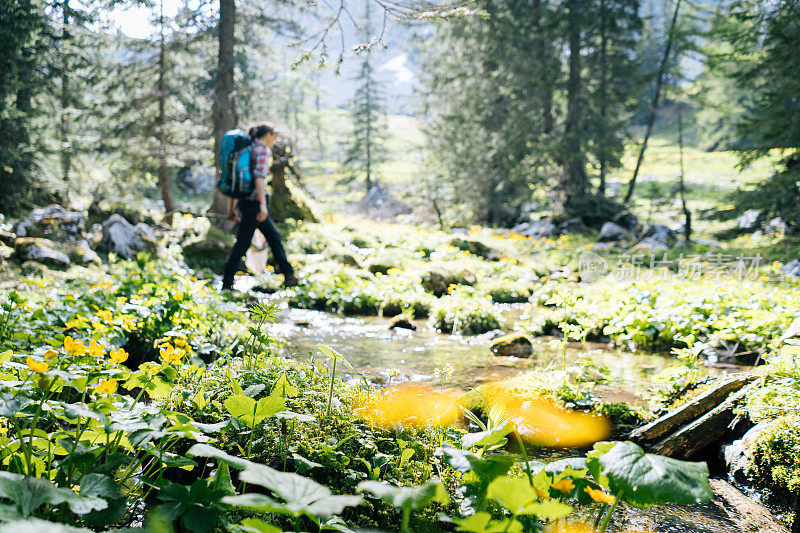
x: 373, y: 349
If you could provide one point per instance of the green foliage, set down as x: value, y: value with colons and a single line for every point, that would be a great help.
x: 643, y: 479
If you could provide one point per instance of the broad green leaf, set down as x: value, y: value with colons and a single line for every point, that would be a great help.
x: 413, y: 498
x: 643, y: 479
x: 482, y: 523
x: 594, y: 465
x: 283, y: 388
x: 40, y: 526
x: 486, y: 439
x: 204, y: 450
x: 254, y: 525
x: 252, y: 412
x: 302, y: 495
x: 512, y: 493
x: 407, y: 454
x: 199, y: 399
x: 548, y: 510
x: 333, y: 354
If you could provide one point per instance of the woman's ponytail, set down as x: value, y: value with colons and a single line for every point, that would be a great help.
x: 259, y: 130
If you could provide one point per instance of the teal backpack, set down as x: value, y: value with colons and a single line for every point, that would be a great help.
x: 236, y: 163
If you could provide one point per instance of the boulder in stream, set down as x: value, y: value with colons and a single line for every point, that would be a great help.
x: 402, y: 322
x: 512, y: 345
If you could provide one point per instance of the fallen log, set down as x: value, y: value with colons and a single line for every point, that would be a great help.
x: 691, y: 410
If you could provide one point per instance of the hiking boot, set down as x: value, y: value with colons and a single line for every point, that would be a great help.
x: 290, y: 280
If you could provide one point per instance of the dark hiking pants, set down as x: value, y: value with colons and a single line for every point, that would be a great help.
x: 249, y: 209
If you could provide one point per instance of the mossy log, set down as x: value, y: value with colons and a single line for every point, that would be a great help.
x: 691, y: 410
x: 690, y: 440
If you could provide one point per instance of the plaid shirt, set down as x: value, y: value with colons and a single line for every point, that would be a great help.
x: 262, y: 156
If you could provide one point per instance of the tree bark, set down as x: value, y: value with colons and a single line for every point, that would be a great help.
x: 64, y: 101
x: 601, y: 189
x: 687, y: 215
x: 543, y: 56
x: 662, y: 68
x: 163, y: 178
x: 224, y: 111
x: 576, y: 181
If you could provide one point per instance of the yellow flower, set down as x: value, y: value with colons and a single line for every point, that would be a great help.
x: 565, y: 485
x: 118, y: 356
x: 410, y: 406
x: 545, y: 423
x: 107, y: 386
x: 50, y: 355
x: 105, y: 315
x: 600, y: 496
x: 37, y: 366
x: 69, y: 298
x: 171, y: 355
x: 178, y: 296
x: 128, y: 324
x: 96, y: 350
x: 151, y: 368
x: 121, y: 300
x: 74, y: 347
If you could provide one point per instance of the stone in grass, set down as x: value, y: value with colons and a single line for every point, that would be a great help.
x: 438, y: 281
x: 512, y: 345
x: 41, y: 251
x: 475, y: 248
x: 402, y: 322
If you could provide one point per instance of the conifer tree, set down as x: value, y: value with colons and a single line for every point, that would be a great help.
x: 365, y: 146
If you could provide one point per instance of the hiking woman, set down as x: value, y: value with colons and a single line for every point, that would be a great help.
x: 254, y: 214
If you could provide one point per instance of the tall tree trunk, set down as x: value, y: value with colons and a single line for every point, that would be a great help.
x: 601, y: 189
x: 575, y: 158
x: 542, y: 54
x: 224, y: 111
x: 662, y: 68
x: 64, y: 100
x: 687, y: 215
x: 163, y: 178
x: 370, y: 110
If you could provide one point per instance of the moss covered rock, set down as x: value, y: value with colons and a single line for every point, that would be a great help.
x: 209, y: 250
x: 512, y: 345
x: 292, y: 203
x: 438, y: 280
x: 475, y: 247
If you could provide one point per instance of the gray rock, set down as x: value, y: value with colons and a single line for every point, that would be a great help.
x: 602, y: 246
x: 749, y: 219
x: 656, y: 237
x: 536, y: 229
x: 711, y: 243
x: 41, y: 251
x: 82, y: 253
x: 611, y: 232
x: 7, y: 238
x: 627, y: 221
x: 53, y: 222
x: 792, y: 268
x: 573, y: 225
x: 737, y: 454
x: 125, y: 239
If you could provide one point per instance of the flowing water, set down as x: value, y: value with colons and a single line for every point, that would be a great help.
x: 373, y: 349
